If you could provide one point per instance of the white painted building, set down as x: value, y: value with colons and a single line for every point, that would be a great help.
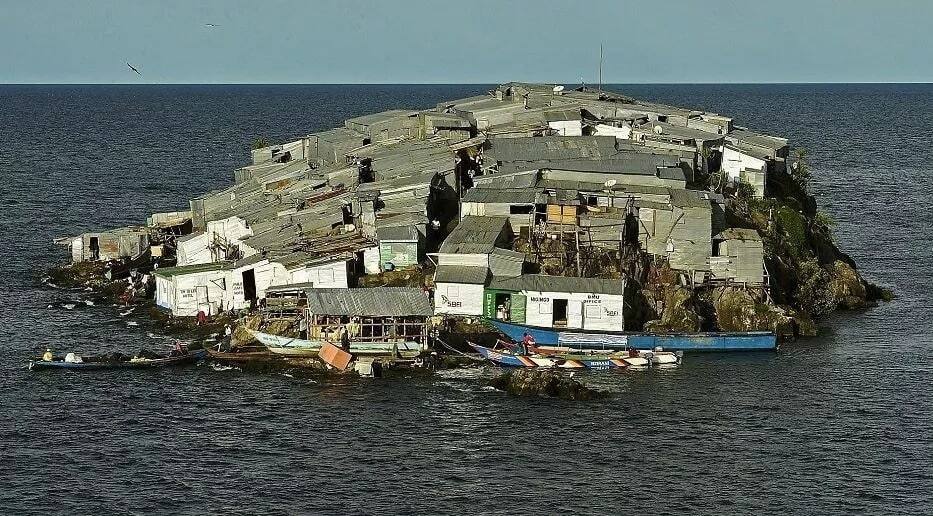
x: 567, y: 127
x: 621, y: 133
x: 557, y: 301
x: 458, y: 290
x: 192, y: 288
x: 745, y: 165
x: 216, y: 242
x: 220, y: 286
x: 464, y: 264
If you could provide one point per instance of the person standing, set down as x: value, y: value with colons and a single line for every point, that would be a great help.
x: 345, y: 338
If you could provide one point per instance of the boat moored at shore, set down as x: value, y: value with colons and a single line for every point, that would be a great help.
x: 618, y: 341
x: 628, y: 359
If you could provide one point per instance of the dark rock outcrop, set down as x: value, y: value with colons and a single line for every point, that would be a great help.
x: 535, y: 382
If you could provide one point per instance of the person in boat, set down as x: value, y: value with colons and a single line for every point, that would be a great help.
x: 47, y: 356
x: 177, y: 350
x: 527, y: 345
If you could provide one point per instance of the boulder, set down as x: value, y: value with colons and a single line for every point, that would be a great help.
x: 241, y: 335
x: 847, y: 286
x: 535, y: 382
x: 677, y: 311
x: 737, y: 310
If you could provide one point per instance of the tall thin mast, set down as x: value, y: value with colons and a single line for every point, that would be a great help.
x: 600, y: 90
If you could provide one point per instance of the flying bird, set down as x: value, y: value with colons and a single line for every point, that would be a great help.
x: 134, y: 69
x: 212, y: 25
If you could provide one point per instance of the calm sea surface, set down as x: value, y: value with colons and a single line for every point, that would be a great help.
x: 838, y: 424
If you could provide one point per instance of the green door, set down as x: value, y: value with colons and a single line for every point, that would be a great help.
x: 518, y: 308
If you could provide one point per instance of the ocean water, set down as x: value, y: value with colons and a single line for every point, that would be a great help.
x: 842, y: 423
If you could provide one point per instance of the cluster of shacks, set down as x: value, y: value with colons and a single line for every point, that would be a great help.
x: 491, y: 193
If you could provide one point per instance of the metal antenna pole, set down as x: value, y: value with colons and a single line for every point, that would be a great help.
x: 600, y: 90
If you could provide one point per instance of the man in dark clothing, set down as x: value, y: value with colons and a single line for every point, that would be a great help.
x: 345, y: 339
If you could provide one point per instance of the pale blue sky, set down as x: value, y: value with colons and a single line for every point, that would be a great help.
x: 470, y: 41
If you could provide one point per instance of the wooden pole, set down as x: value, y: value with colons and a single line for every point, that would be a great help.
x: 576, y: 235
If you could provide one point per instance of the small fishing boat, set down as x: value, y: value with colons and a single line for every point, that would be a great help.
x: 245, y: 355
x: 293, y: 347
x: 106, y: 362
x: 577, y: 359
x: 619, y: 341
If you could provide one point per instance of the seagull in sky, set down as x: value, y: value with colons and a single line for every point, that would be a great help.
x: 134, y: 69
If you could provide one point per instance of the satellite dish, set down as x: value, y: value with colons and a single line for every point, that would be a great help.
x: 558, y: 89
x: 658, y: 129
x: 610, y: 183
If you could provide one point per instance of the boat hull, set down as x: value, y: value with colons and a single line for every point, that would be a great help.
x: 292, y: 347
x: 509, y: 359
x: 242, y: 356
x: 189, y: 358
x: 584, y: 339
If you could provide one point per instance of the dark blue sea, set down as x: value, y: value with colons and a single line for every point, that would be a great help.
x: 838, y: 424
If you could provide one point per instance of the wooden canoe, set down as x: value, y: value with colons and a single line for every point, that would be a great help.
x: 90, y: 363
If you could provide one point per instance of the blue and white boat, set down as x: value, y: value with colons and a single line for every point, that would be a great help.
x: 618, y: 341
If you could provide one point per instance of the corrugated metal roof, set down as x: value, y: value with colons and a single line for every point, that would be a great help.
x: 469, y: 275
x: 381, y: 117
x: 543, y: 283
x: 751, y: 150
x: 474, y: 235
x: 560, y: 115
x: 587, y: 186
x: 292, y: 287
x: 636, y: 164
x: 520, y: 178
x: 362, y: 302
x: 688, y: 199
x: 677, y: 131
x: 672, y: 173
x: 397, y: 234
x: 510, y: 255
x: 503, y: 196
x: 547, y: 148
x: 740, y: 135
x: 168, y: 272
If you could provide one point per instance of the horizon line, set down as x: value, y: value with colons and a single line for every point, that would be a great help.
x: 454, y: 83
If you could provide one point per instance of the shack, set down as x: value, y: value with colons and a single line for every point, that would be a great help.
x: 190, y: 289
x: 680, y: 230
x: 556, y: 301
x: 127, y: 242
x: 749, y: 165
x: 463, y: 263
x: 381, y: 314
x: 738, y: 256
x: 399, y: 246
x: 518, y: 204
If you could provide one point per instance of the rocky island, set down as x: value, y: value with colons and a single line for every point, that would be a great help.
x: 532, y: 203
